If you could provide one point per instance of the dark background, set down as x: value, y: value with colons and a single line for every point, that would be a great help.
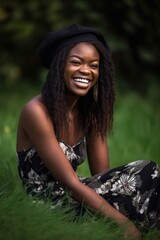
x: 131, y: 27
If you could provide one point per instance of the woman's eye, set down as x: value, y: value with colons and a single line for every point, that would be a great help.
x: 76, y: 63
x: 94, y: 66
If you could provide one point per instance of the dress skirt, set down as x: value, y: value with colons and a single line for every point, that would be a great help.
x: 133, y: 189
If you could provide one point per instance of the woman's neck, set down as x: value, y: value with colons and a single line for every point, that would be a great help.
x: 74, y: 131
x: 71, y: 101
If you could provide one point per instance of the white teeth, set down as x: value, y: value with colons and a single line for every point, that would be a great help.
x: 82, y: 80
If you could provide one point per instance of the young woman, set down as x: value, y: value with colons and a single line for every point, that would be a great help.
x: 68, y: 122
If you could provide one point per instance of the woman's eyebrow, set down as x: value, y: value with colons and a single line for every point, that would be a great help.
x: 77, y: 56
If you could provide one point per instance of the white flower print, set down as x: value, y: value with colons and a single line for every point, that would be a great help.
x: 103, y: 188
x: 63, y: 146
x: 70, y: 154
x: 141, y: 201
x: 135, y: 163
x: 116, y: 205
x: 30, y: 154
x: 136, y: 200
x: 34, y: 177
x: 156, y: 172
x: 38, y: 189
x: 125, y: 185
x: 144, y: 206
x: 59, y: 192
x: 136, y: 166
x: 115, y: 175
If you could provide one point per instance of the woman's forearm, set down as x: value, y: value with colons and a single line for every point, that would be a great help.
x: 89, y: 197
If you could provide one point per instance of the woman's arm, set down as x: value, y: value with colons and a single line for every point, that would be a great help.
x: 97, y: 152
x: 39, y: 129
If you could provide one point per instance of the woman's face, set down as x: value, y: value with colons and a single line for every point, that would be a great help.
x: 82, y: 69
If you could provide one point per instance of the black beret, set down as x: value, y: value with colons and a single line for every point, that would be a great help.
x: 53, y: 42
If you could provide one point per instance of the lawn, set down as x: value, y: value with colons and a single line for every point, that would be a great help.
x: 135, y: 136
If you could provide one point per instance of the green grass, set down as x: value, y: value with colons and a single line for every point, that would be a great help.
x: 135, y: 136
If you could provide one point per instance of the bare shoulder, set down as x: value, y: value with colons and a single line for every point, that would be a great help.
x: 35, y: 114
x: 34, y: 108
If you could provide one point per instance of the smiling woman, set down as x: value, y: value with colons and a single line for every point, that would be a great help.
x: 68, y: 122
x: 82, y: 69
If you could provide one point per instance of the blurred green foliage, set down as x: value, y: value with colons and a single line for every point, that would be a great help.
x: 132, y: 29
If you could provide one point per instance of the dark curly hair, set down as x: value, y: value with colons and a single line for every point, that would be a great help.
x: 93, y: 115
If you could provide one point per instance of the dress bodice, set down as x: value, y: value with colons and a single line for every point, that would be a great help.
x: 30, y: 161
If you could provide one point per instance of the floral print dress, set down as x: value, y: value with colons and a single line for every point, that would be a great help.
x: 133, y: 189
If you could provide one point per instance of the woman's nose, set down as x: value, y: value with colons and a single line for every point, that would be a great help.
x: 84, y: 69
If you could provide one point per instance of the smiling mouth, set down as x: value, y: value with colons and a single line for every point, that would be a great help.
x: 81, y: 80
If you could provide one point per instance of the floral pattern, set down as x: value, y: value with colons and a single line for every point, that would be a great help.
x: 133, y: 189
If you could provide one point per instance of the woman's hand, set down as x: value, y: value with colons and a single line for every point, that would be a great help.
x: 131, y: 232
